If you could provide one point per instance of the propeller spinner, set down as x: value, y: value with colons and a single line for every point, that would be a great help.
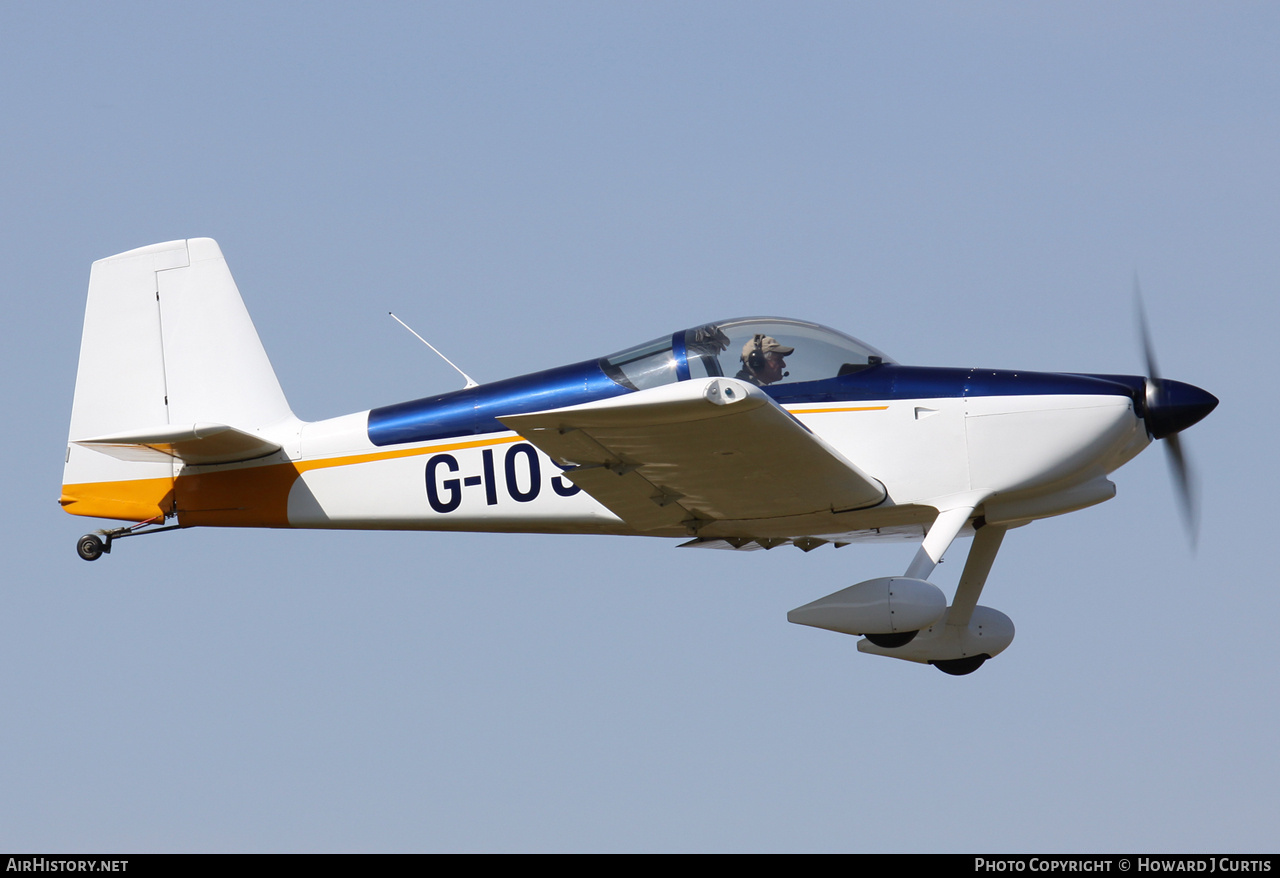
x: 1171, y: 407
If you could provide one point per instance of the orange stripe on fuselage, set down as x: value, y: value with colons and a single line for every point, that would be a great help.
x: 258, y: 496
x: 255, y: 496
x: 135, y: 500
x: 864, y: 408
x: 325, y: 462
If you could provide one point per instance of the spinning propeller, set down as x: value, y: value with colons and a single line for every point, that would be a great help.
x: 1169, y: 408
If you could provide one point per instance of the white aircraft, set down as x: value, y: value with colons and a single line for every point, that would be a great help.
x: 741, y: 434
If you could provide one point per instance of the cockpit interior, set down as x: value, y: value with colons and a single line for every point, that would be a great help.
x: 739, y: 348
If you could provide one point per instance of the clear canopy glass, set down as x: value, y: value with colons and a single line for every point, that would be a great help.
x: 726, y: 348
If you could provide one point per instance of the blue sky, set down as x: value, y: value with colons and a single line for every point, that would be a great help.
x: 531, y: 184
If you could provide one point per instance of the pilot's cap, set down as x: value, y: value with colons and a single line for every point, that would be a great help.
x: 768, y: 345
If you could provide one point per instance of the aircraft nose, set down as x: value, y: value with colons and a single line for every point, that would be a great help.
x: 1175, y: 406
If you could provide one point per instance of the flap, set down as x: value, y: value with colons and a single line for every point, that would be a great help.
x: 703, y: 450
x: 193, y: 444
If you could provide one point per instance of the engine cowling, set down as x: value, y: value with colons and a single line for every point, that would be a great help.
x: 889, y: 605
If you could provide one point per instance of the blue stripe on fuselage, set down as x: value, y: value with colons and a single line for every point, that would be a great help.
x: 474, y: 411
x: 892, y: 381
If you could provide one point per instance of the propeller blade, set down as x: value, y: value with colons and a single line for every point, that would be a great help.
x: 1172, y: 406
x: 1148, y: 350
x: 1185, y: 482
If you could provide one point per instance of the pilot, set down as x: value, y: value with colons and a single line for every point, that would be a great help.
x: 763, y: 360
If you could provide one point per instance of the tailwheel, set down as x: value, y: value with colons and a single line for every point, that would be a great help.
x: 961, y: 666
x: 90, y: 547
x: 892, y: 641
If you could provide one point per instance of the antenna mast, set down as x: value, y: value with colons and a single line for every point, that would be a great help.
x: 471, y: 382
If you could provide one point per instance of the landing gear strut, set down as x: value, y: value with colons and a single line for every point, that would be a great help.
x: 963, y: 636
x: 93, y: 546
x: 982, y: 554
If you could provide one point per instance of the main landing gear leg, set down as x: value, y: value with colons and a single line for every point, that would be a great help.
x: 943, y: 532
x: 982, y: 554
x: 93, y: 546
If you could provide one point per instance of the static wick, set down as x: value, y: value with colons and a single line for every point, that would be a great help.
x: 471, y: 382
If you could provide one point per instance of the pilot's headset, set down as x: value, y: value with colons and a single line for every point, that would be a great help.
x: 755, y: 359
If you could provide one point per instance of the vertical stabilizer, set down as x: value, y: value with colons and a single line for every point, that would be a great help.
x: 167, y: 342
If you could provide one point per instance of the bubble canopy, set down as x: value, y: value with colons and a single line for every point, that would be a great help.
x: 723, y: 349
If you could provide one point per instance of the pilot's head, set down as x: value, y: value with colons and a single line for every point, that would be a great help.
x: 764, y: 357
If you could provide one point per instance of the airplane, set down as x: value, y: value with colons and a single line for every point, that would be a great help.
x: 742, y: 434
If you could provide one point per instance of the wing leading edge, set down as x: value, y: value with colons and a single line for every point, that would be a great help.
x: 674, y: 458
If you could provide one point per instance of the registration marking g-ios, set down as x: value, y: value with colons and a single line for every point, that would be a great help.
x: 520, y: 476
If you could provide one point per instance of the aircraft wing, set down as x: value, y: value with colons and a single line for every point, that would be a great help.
x: 704, y: 450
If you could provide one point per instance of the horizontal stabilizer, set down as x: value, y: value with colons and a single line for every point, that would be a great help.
x: 193, y: 444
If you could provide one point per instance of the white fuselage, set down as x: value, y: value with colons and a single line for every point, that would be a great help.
x: 1026, y: 456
